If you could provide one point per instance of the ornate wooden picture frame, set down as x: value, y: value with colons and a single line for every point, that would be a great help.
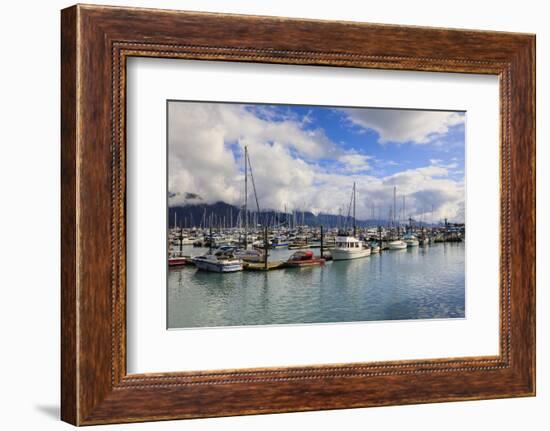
x: 96, y: 41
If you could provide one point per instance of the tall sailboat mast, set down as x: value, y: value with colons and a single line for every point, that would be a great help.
x: 245, y: 197
x: 253, y: 186
x: 394, y: 203
x: 354, y: 224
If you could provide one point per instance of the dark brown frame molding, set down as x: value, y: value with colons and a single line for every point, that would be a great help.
x: 95, y: 43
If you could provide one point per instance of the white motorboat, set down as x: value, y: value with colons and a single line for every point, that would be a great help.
x: 218, y: 262
x: 349, y: 247
x: 397, y: 245
x: 411, y: 240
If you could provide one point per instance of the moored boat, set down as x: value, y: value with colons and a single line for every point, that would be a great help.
x: 279, y: 242
x: 179, y: 261
x: 397, y: 245
x: 304, y: 258
x: 251, y: 255
x: 218, y: 262
x: 410, y: 240
x: 349, y: 247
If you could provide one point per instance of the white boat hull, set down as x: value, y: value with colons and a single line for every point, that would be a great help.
x: 349, y: 253
x: 397, y: 245
x: 218, y: 266
x: 412, y: 242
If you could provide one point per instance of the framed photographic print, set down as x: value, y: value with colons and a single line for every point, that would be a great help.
x: 268, y: 215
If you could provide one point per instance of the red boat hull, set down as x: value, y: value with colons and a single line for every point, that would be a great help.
x: 302, y: 263
x: 304, y: 258
x: 178, y: 261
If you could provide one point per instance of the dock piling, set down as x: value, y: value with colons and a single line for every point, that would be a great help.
x: 322, y: 241
x: 265, y: 248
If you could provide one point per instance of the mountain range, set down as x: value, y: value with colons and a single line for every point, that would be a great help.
x: 222, y: 214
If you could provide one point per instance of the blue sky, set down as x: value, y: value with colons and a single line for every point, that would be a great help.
x: 307, y: 157
x: 386, y: 159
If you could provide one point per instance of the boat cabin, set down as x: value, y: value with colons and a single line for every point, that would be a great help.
x: 347, y: 242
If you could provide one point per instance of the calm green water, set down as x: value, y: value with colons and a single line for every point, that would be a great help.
x: 416, y: 283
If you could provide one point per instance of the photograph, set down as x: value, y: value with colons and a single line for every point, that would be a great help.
x: 284, y: 214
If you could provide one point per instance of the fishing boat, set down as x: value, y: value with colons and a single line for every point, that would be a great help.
x: 304, y: 258
x: 410, y: 240
x: 348, y: 246
x: 397, y: 245
x: 220, y: 261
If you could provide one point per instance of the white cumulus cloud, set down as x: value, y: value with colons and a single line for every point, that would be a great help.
x: 400, y: 126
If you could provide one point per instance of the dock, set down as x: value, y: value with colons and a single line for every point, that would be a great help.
x: 260, y: 266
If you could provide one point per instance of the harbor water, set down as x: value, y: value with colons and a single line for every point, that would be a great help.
x: 415, y: 283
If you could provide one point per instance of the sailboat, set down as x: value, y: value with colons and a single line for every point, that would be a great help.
x: 348, y: 246
x: 396, y: 244
x: 248, y: 167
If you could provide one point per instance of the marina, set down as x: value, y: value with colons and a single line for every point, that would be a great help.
x: 323, y: 237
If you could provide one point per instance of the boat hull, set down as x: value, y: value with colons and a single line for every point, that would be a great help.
x: 305, y: 263
x: 400, y: 245
x: 178, y: 261
x: 218, y: 267
x: 348, y: 254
